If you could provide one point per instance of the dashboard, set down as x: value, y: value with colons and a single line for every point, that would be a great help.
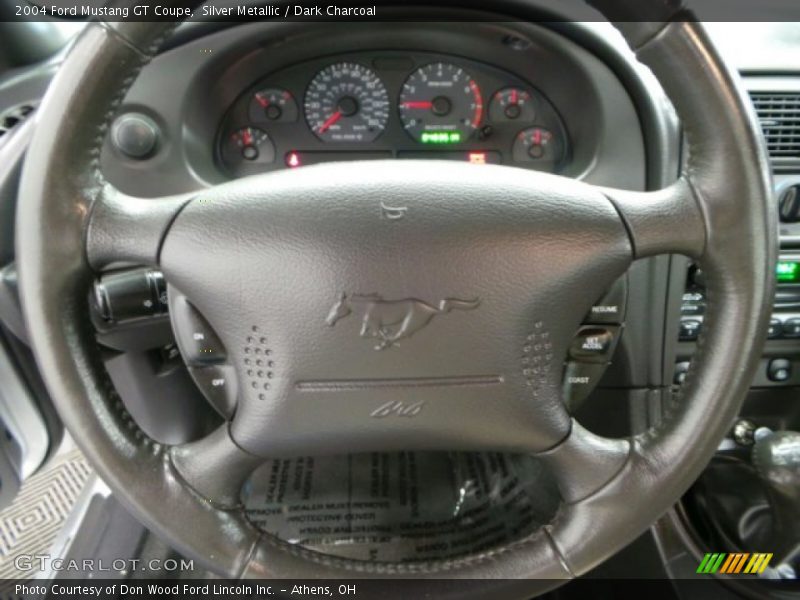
x: 262, y: 97
x: 270, y: 96
x: 384, y: 104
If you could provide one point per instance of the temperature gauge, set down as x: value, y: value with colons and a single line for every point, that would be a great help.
x: 273, y: 105
x: 537, y: 145
x: 247, y: 145
x: 512, y: 104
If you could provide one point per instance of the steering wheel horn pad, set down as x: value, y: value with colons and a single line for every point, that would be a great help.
x: 449, y: 293
x: 353, y: 332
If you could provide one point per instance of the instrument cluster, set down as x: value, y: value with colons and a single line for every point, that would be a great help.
x: 375, y: 105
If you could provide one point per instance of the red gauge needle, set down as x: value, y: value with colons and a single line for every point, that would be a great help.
x: 331, y: 120
x: 248, y: 138
x: 262, y: 101
x: 421, y: 104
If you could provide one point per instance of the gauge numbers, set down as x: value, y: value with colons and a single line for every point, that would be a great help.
x: 441, y: 104
x: 537, y: 144
x: 248, y: 144
x: 346, y: 102
x: 274, y: 105
x: 512, y: 104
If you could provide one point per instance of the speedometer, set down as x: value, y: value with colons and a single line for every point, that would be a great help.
x: 441, y: 104
x: 346, y: 102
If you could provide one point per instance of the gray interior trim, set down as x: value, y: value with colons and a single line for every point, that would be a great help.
x: 729, y: 177
x: 20, y: 414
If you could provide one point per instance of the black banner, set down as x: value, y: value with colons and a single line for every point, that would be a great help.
x: 196, y: 589
x: 378, y: 10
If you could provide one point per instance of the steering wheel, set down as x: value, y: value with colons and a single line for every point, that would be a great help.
x: 501, y: 264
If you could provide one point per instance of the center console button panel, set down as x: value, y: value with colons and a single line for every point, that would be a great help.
x: 681, y: 370
x: 782, y: 351
x: 790, y: 328
x: 779, y: 370
x: 775, y: 329
x: 690, y: 330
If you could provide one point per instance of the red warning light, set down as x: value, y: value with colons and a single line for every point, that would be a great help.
x: 477, y: 158
x: 293, y: 160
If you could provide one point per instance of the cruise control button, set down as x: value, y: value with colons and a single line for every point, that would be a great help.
x: 218, y: 384
x: 791, y: 328
x: 690, y: 330
x: 611, y: 308
x: 579, y: 380
x: 197, y: 341
x: 594, y: 344
x: 779, y: 370
x: 775, y: 329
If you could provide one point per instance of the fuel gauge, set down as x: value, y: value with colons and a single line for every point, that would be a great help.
x: 512, y: 104
x: 247, y: 145
x: 537, y: 144
x: 273, y: 105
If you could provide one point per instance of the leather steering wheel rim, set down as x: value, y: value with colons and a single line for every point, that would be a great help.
x: 72, y: 222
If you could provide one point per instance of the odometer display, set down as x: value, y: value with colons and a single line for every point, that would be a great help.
x: 346, y: 102
x: 441, y: 104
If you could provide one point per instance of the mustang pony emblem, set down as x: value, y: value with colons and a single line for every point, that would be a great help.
x: 389, y: 321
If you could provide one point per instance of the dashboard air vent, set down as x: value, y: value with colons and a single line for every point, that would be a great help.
x: 13, y: 117
x: 779, y: 114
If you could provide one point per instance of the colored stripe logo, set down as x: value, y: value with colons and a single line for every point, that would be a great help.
x: 734, y: 563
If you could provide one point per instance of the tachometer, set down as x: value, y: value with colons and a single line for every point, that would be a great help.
x: 441, y: 104
x: 346, y: 102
